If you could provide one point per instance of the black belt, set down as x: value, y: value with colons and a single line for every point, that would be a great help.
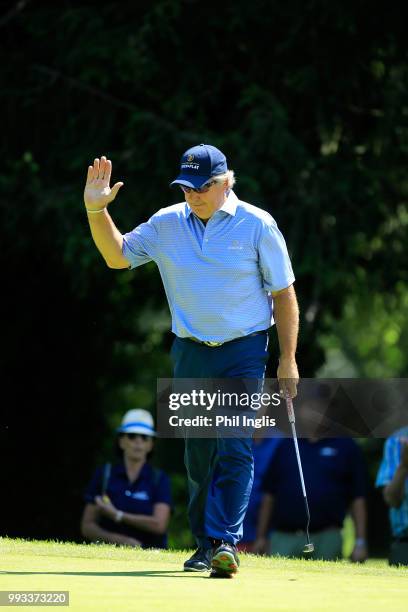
x: 216, y: 344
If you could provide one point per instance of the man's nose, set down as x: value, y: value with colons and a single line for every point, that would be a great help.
x: 195, y: 197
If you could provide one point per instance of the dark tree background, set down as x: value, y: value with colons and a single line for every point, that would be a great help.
x: 309, y: 102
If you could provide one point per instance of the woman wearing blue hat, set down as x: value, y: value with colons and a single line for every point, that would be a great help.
x: 129, y: 502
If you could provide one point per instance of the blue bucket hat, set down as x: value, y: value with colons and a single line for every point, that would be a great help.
x: 199, y: 164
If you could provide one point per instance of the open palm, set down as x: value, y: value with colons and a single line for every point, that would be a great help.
x: 98, y: 193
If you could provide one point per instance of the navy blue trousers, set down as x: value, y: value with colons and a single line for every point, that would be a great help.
x: 220, y: 470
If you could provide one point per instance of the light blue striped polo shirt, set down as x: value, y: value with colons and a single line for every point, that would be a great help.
x: 390, y: 462
x: 216, y: 276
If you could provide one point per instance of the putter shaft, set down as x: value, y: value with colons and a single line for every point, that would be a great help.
x: 309, y: 547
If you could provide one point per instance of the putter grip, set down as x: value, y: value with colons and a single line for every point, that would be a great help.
x: 289, y: 406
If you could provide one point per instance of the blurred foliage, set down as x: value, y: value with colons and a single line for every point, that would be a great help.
x: 371, y: 335
x: 310, y: 104
x: 179, y: 532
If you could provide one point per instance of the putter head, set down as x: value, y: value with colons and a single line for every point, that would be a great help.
x: 308, y: 548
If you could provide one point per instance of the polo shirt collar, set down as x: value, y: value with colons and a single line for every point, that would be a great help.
x: 121, y: 470
x: 229, y: 206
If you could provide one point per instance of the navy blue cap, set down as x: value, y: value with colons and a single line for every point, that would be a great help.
x: 199, y: 164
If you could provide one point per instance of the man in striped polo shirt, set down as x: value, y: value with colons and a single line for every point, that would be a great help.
x: 227, y: 277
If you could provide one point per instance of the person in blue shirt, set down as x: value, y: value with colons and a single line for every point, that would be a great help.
x: 393, y: 478
x: 227, y: 277
x: 335, y: 478
x: 129, y: 502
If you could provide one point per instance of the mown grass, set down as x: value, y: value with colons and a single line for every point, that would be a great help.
x: 104, y: 577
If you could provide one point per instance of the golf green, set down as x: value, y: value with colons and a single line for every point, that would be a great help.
x: 109, y: 578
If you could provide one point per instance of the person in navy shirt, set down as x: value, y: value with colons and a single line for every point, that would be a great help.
x: 228, y: 278
x: 129, y: 503
x: 335, y: 478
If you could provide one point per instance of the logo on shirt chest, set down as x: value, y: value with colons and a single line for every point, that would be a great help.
x: 328, y: 451
x: 140, y: 495
x: 235, y: 245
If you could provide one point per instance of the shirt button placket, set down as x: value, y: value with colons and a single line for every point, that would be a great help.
x: 205, y: 239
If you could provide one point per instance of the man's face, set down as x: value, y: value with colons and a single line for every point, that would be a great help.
x: 205, y: 204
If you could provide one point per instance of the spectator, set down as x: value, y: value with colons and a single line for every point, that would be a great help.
x: 263, y: 449
x: 129, y: 503
x: 393, y: 476
x: 335, y: 480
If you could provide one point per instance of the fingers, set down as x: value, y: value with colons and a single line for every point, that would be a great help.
x: 101, y: 170
x: 288, y: 387
x: 291, y: 387
x: 114, y: 190
x: 288, y: 377
x: 108, y: 170
x: 282, y: 387
x: 96, y: 169
x: 102, y: 165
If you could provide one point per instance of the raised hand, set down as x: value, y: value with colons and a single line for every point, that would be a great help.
x: 98, y: 194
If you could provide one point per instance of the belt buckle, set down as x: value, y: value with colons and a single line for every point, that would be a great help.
x: 212, y: 344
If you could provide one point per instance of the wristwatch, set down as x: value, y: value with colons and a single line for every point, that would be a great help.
x: 118, y: 516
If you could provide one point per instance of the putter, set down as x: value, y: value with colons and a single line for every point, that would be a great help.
x: 309, y: 546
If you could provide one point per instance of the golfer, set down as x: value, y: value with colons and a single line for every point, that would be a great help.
x: 227, y: 277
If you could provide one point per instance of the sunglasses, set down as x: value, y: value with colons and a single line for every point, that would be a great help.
x: 202, y: 189
x: 133, y: 436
